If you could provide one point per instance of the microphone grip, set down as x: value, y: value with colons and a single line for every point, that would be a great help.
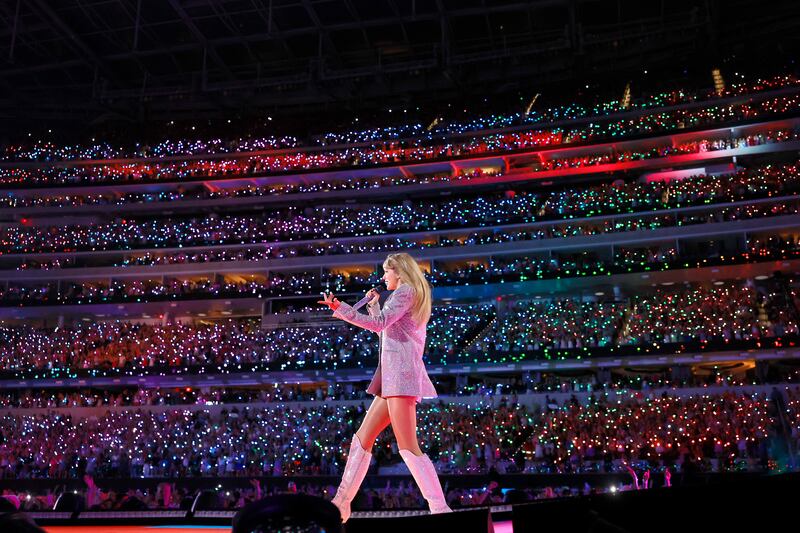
x: 363, y: 301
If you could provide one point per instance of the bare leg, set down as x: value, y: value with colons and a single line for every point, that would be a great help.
x: 375, y: 421
x: 403, y: 416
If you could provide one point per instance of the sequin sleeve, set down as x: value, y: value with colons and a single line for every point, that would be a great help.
x: 393, y: 310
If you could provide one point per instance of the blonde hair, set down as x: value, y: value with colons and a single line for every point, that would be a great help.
x: 410, y: 273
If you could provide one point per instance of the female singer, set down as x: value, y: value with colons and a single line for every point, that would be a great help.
x: 400, y: 380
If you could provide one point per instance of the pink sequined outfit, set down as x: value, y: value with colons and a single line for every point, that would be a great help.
x: 401, y: 370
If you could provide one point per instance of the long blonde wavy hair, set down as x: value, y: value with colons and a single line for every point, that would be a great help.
x: 409, y: 272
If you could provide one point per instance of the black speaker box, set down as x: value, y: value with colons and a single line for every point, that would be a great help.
x: 297, y: 512
x: 748, y: 504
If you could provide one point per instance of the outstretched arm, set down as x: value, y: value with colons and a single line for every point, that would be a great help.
x: 91, y: 491
x: 257, y: 486
x: 632, y: 472
x: 396, y: 306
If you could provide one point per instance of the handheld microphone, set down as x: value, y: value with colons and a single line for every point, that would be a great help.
x: 363, y: 301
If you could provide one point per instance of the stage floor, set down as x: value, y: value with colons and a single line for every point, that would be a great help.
x: 137, y: 529
x: 499, y: 527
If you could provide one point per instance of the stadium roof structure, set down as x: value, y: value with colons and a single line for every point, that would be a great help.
x: 93, y: 60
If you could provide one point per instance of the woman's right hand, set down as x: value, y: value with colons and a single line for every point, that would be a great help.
x: 329, y: 300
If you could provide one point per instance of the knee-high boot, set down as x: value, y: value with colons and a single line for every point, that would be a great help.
x: 424, y: 474
x: 354, y: 471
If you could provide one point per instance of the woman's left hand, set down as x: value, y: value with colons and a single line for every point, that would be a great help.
x: 374, y: 296
x: 329, y: 300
